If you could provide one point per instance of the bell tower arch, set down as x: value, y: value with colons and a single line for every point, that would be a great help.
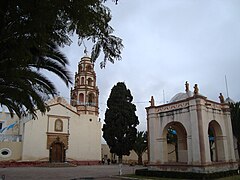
x: 84, y: 94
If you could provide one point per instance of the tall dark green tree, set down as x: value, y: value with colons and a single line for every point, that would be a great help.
x: 119, y: 129
x: 30, y: 34
x: 235, y: 118
x: 140, y: 145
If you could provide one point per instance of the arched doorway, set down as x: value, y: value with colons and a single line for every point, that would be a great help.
x: 57, y: 151
x: 175, y: 144
x: 216, y: 144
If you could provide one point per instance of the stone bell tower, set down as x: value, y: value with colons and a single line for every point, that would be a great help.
x: 84, y: 95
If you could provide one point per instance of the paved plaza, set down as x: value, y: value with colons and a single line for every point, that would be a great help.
x: 67, y: 173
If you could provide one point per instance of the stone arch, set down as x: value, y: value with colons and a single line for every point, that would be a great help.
x: 57, y: 151
x: 91, y: 99
x: 216, y: 142
x: 82, y: 80
x: 81, y: 98
x: 80, y: 68
x: 90, y: 81
x: 176, y: 151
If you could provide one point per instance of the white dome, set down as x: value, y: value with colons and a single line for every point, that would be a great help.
x: 229, y: 100
x: 181, y: 96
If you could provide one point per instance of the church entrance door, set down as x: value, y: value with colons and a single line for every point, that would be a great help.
x: 57, y: 152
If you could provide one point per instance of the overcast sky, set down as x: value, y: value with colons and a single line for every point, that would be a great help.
x: 168, y: 42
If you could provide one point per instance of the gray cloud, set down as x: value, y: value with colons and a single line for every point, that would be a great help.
x: 166, y: 43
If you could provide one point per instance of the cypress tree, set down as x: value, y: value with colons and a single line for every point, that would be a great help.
x: 119, y: 129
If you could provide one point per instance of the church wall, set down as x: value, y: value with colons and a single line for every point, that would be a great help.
x: 14, y: 149
x: 131, y: 159
x: 7, y: 120
x: 85, y: 139
x: 34, y: 140
x: 83, y: 131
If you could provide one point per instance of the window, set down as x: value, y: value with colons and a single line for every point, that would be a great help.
x: 82, y: 80
x: 58, y: 125
x: 91, y: 99
x: 5, y: 152
x: 89, y: 68
x: 1, y: 125
x: 81, y: 98
x: 90, y: 81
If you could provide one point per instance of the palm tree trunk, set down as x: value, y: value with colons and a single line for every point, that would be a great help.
x: 140, y: 159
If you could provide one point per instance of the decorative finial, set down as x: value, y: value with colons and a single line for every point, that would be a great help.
x: 85, y: 51
x: 221, y: 98
x: 186, y: 86
x: 196, y: 90
x: 152, y: 103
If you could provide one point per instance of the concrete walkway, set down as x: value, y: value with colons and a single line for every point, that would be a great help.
x: 69, y: 173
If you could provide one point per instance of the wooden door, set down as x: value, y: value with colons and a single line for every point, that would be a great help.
x: 57, y: 152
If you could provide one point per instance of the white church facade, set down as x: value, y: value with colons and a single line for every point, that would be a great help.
x: 204, y: 142
x: 67, y: 132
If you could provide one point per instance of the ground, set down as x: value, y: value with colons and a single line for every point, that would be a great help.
x: 103, y: 172
x: 99, y: 172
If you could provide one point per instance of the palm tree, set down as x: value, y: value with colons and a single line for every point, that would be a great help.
x: 140, y: 145
x: 29, y: 35
x: 23, y: 87
x: 235, y: 118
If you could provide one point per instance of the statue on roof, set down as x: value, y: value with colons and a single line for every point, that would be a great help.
x: 152, y: 103
x: 221, y: 98
x: 186, y: 86
x: 196, y: 90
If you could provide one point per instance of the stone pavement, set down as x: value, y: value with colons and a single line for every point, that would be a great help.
x: 101, y: 172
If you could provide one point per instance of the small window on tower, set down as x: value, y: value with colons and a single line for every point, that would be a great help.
x: 89, y: 81
x: 81, y: 99
x: 89, y: 68
x: 82, y: 80
x: 91, y: 99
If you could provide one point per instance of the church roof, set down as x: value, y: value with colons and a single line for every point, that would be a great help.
x: 229, y: 100
x: 181, y: 96
x: 61, y: 101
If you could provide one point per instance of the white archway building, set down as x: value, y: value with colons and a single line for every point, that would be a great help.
x: 193, y: 118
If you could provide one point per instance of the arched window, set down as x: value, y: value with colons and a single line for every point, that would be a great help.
x: 82, y: 80
x: 58, y: 125
x: 91, y: 99
x: 81, y: 98
x: 90, y: 81
x: 89, y: 68
x: 80, y: 68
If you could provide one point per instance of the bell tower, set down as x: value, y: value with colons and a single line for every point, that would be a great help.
x: 84, y: 95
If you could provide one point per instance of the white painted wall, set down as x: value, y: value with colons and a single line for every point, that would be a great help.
x: 84, y: 135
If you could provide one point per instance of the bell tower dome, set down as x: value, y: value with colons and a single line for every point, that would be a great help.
x: 84, y: 95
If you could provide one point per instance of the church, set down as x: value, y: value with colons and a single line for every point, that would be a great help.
x: 68, y: 132
x: 199, y: 129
